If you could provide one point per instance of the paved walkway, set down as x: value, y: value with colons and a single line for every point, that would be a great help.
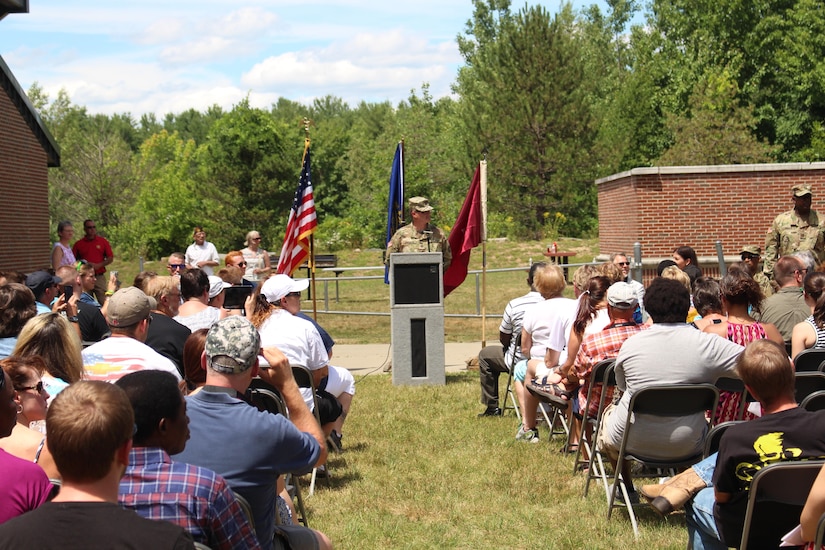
x: 371, y: 358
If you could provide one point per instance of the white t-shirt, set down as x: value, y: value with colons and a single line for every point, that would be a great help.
x: 548, y: 324
x: 117, y: 356
x: 199, y: 253
x: 297, y: 339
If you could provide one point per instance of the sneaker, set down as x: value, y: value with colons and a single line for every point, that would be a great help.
x: 336, y: 440
x: 527, y: 436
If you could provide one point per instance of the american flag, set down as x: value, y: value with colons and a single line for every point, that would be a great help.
x: 302, y: 223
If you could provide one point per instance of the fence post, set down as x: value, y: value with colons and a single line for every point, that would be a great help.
x: 720, y: 256
x: 637, y: 262
x: 478, y: 296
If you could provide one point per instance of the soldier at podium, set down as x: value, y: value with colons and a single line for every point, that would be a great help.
x: 420, y: 235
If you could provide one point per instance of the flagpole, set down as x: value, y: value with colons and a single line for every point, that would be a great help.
x: 311, y: 258
x: 484, y: 251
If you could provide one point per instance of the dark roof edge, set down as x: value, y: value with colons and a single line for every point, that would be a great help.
x: 29, y: 114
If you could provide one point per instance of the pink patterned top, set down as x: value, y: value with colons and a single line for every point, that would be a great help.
x: 729, y: 402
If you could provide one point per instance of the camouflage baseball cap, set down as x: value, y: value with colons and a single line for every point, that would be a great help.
x: 751, y: 249
x: 801, y: 190
x: 420, y: 204
x: 232, y: 345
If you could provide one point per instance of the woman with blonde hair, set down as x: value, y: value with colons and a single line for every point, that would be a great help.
x: 543, y: 337
x: 50, y: 336
x: 257, y: 259
x: 31, y: 397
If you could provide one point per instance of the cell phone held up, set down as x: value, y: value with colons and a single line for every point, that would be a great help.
x: 68, y: 290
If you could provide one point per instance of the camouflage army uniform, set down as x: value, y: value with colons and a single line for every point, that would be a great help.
x: 788, y: 234
x: 407, y: 239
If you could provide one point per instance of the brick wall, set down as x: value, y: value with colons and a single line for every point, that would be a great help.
x: 24, y: 215
x: 663, y: 208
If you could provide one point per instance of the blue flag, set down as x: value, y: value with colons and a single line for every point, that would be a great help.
x: 395, y: 205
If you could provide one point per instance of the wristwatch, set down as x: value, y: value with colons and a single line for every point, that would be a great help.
x: 73, y: 319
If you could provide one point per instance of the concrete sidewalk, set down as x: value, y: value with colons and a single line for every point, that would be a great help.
x: 366, y: 359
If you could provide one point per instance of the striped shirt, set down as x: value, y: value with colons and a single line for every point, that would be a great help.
x: 513, y: 320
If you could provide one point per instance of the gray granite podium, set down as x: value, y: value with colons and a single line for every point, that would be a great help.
x: 417, y: 313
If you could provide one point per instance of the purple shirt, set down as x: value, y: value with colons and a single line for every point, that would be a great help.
x: 23, y: 486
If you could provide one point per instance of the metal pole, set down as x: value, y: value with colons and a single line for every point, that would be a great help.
x: 637, y: 262
x: 720, y: 256
x: 478, y: 296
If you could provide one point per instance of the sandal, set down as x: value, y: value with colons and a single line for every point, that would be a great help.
x: 552, y: 393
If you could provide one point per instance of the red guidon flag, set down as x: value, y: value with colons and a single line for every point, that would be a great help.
x: 465, y: 235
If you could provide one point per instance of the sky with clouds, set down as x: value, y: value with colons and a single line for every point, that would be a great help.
x: 165, y: 56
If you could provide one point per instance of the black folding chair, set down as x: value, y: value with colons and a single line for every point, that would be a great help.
x: 715, y: 436
x: 602, y: 373
x: 807, y: 383
x: 775, y: 500
x: 814, y: 402
x: 673, y: 400
x: 303, y: 377
x: 809, y: 360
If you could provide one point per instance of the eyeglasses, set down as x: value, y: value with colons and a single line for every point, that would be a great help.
x: 804, y: 270
x: 38, y: 388
x: 748, y: 257
x: 622, y: 264
x: 150, y: 318
x: 241, y: 264
x: 176, y: 266
x: 294, y: 294
x: 256, y: 238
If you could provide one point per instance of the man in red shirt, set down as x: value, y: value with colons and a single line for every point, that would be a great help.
x: 96, y: 251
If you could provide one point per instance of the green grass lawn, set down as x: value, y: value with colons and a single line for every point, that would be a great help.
x: 420, y: 470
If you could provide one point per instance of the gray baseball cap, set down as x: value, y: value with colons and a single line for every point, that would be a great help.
x: 622, y: 296
x: 232, y: 345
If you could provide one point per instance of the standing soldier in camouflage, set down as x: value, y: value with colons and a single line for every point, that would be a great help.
x: 750, y: 255
x: 795, y: 230
x: 420, y: 235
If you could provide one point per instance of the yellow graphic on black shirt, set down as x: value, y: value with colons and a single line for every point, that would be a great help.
x: 768, y: 449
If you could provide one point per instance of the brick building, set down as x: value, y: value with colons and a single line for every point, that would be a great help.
x: 666, y: 207
x: 27, y: 150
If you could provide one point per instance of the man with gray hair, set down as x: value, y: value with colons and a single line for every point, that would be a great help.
x: 249, y: 448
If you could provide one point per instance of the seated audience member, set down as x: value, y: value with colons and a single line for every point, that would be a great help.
x: 740, y: 294
x: 807, y: 259
x: 786, y: 307
x: 234, y: 258
x: 156, y: 487
x: 93, y: 327
x: 90, y: 434
x: 669, y: 352
x: 813, y: 510
x: 142, y: 277
x: 31, y: 399
x: 272, y: 444
x: 194, y: 375
x: 664, y: 264
x: 707, y: 299
x: 621, y: 259
x: 45, y: 288
x: 299, y: 341
x: 719, y: 484
x: 604, y: 344
x: 686, y: 260
x: 17, y: 306
x: 673, y: 272
x: 23, y: 485
x: 230, y: 275
x: 494, y: 360
x: 810, y: 333
x: 176, y: 265
x: 216, y: 292
x: 543, y: 337
x: 7, y: 277
x: 129, y: 316
x: 286, y: 292
x: 166, y: 336
x: 50, y: 337
x: 195, y: 311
